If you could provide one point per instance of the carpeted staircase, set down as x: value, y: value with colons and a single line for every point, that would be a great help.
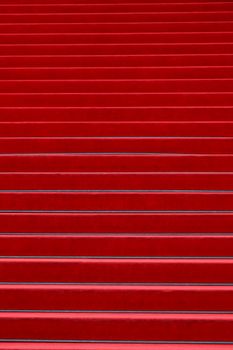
x: 116, y: 175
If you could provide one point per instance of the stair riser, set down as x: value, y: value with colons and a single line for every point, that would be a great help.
x: 127, y: 245
x: 116, y: 181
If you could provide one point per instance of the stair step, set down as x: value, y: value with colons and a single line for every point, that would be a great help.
x: 116, y: 245
x: 119, y: 201
x: 116, y: 181
x: 71, y: 162
x: 163, y: 132
x: 125, y: 27
x: 114, y: 7
x: 116, y: 17
x: 116, y: 298
x: 117, y: 86
x: 116, y: 145
x: 116, y: 327
x: 117, y: 60
x: 121, y: 270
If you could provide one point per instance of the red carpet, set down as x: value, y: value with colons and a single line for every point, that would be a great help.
x: 116, y: 175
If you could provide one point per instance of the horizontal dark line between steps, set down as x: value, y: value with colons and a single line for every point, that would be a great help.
x: 113, y: 191
x: 122, y: 342
x: 97, y: 3
x: 114, y: 23
x: 211, y: 93
x: 133, y: 55
x: 116, y: 211
x: 126, y: 33
x: 120, y: 108
x: 127, y: 191
x: 109, y: 234
x: 116, y: 44
x: 121, y: 67
x: 116, y: 257
x: 115, y: 80
x: 70, y: 154
x: 117, y: 13
x: 58, y: 138
x: 171, y: 284
x: 114, y: 5
x: 120, y: 312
